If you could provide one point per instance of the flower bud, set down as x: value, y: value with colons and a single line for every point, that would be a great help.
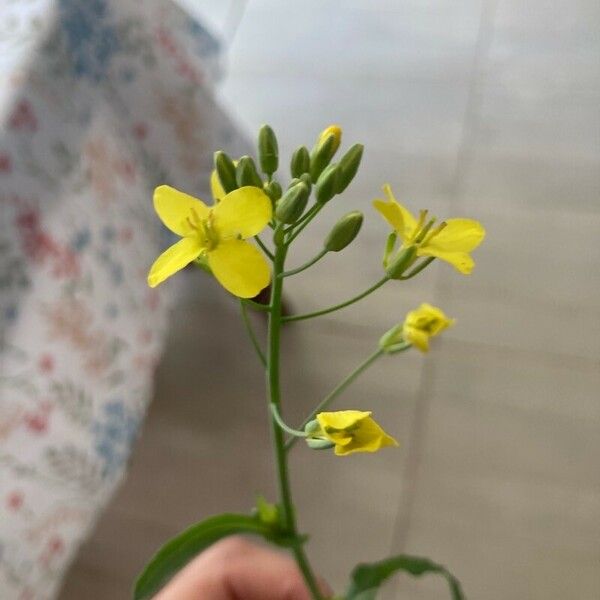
x: 225, y: 171
x: 392, y: 340
x: 321, y: 156
x: 292, y: 204
x: 319, y: 444
x: 336, y: 132
x: 305, y: 177
x: 246, y: 173
x: 326, y: 184
x: 344, y: 231
x: 273, y: 190
x: 312, y: 427
x: 268, y: 151
x: 403, y: 260
x: 349, y: 166
x: 300, y: 162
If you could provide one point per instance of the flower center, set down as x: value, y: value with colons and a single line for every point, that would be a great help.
x: 204, y: 228
x: 424, y: 231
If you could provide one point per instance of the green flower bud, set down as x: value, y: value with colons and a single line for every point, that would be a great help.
x: 294, y: 182
x: 392, y: 340
x: 273, y: 190
x: 312, y: 427
x: 403, y: 260
x: 246, y: 173
x: 226, y: 171
x: 326, y: 184
x: 268, y: 151
x: 349, y: 167
x: 305, y: 177
x: 300, y: 162
x: 344, y: 231
x: 319, y: 444
x: 321, y: 156
x: 292, y: 204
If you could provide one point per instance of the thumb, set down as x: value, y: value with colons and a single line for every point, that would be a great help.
x: 236, y: 569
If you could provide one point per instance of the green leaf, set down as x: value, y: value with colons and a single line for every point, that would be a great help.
x: 366, y: 578
x: 181, y: 549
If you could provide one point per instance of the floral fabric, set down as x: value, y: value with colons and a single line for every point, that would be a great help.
x: 100, y: 100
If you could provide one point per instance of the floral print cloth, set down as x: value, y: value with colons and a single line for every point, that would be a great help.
x: 100, y: 100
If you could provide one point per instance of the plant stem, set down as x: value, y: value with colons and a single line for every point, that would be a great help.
x: 264, y: 248
x: 252, y: 334
x: 308, y: 217
x: 418, y: 268
x: 305, y: 266
x: 325, y: 311
x: 283, y: 425
x: 256, y: 305
x: 337, y: 391
x: 285, y: 495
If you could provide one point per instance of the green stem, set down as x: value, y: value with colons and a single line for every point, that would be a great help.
x: 337, y: 391
x: 264, y: 248
x: 256, y: 305
x: 252, y: 334
x: 308, y: 217
x: 325, y: 311
x: 283, y: 425
x: 285, y: 495
x: 305, y: 266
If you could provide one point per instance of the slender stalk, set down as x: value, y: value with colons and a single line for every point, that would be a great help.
x: 283, y: 425
x: 264, y: 248
x: 419, y: 268
x: 305, y: 266
x: 285, y: 495
x: 337, y: 391
x: 252, y: 334
x: 256, y: 305
x: 330, y: 309
x: 308, y: 217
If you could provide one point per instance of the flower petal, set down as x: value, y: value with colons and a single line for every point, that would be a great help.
x: 341, y: 419
x: 239, y: 267
x: 215, y: 187
x: 396, y: 215
x: 174, y: 259
x: 243, y: 212
x: 369, y: 437
x: 175, y: 208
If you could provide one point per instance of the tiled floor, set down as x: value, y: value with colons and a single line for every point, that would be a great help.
x: 481, y: 108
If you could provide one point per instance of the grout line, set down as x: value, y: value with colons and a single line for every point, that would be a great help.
x: 418, y: 435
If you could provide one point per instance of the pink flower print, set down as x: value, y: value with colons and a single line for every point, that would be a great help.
x: 14, y: 500
x: 140, y: 131
x: 46, y: 363
x: 23, y: 118
x: 5, y: 163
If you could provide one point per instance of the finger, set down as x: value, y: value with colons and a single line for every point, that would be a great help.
x: 236, y: 569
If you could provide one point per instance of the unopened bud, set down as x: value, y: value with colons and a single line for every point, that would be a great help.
x: 268, y: 151
x: 246, y: 173
x: 300, y: 162
x: 292, y: 204
x: 392, y: 340
x: 225, y: 171
x: 403, y: 260
x: 344, y: 231
x: 349, y: 164
x: 319, y: 444
x: 326, y: 184
x: 305, y: 177
x: 273, y: 190
x: 336, y: 132
x: 321, y: 156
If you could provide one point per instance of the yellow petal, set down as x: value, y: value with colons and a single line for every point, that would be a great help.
x: 369, y: 437
x: 341, y: 419
x: 417, y: 337
x: 396, y: 215
x: 175, y: 208
x: 215, y: 187
x: 239, y: 267
x: 174, y: 259
x: 243, y: 212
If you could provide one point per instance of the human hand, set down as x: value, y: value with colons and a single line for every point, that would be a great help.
x: 236, y: 569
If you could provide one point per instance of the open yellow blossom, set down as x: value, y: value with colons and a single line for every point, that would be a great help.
x: 217, y: 234
x: 451, y: 240
x: 352, y: 431
x: 422, y: 323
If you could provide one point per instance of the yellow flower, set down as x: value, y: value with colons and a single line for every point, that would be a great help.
x: 422, y: 323
x: 450, y: 241
x: 352, y: 431
x: 216, y: 234
x: 216, y: 187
